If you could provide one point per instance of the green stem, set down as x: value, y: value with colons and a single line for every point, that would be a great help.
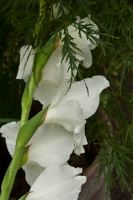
x: 30, y: 87
x: 27, y: 130
x: 27, y: 100
x: 41, y: 58
x: 40, y: 21
x: 11, y: 174
x: 40, y: 61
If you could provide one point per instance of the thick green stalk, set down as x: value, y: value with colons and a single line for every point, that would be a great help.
x: 10, y: 175
x: 40, y: 61
x: 31, y: 85
x: 27, y: 100
x: 24, y: 135
x: 40, y: 21
x: 26, y: 127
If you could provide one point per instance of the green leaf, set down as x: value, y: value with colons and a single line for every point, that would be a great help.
x: 24, y: 135
x: 42, y: 56
x: 29, y: 128
x: 24, y: 158
x: 40, y: 60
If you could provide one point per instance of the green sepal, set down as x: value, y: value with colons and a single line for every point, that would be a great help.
x: 24, y: 157
x: 40, y: 60
x: 42, y: 57
x: 29, y: 128
x: 24, y: 135
x: 26, y: 101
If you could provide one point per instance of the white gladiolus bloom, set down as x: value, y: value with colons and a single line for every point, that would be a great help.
x: 69, y: 115
x: 84, y: 96
x: 72, y: 108
x: 84, y: 43
x: 49, y: 140
x: 59, y: 182
x: 79, y: 103
x: 87, y: 93
x: 91, y: 43
x: 9, y: 132
x: 50, y: 145
x: 56, y: 72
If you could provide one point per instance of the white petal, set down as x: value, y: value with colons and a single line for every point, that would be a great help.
x: 68, y: 114
x: 32, y: 172
x: 26, y: 62
x: 45, y: 92
x: 55, y: 74
x: 9, y: 132
x: 92, y: 43
x: 58, y: 183
x: 56, y: 13
x: 52, y: 144
x: 88, y: 98
x: 83, y: 43
x: 53, y: 71
x: 67, y: 70
x: 87, y: 60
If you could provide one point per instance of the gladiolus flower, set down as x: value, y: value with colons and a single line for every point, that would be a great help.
x: 79, y: 103
x: 56, y: 72
x: 50, y: 145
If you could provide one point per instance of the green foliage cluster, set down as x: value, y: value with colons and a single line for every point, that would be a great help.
x: 111, y: 129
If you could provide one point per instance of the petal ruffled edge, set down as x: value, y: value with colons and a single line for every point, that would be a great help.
x: 87, y: 93
x: 58, y: 182
x: 9, y: 132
